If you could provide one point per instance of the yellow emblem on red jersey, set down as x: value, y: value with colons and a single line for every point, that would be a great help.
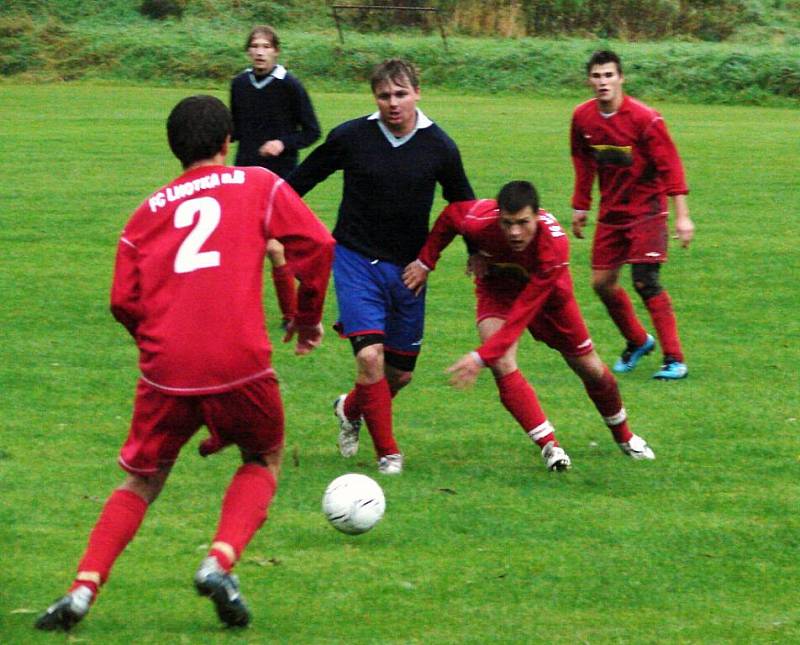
x: 613, y: 155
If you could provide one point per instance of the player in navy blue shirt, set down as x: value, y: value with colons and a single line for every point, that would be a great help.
x: 273, y: 116
x: 392, y: 161
x: 272, y: 119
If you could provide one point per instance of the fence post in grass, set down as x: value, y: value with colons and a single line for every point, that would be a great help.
x: 338, y: 25
x: 434, y: 10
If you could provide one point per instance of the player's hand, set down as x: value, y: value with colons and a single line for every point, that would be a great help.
x: 464, y: 372
x: 271, y: 148
x: 415, y: 275
x: 684, y: 231
x: 477, y: 265
x: 579, y: 220
x: 308, y: 336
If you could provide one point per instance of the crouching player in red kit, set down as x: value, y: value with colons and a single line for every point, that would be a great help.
x: 188, y: 287
x: 522, y: 280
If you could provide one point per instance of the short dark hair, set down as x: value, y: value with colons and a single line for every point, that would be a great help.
x: 197, y: 128
x: 264, y: 30
x: 601, y: 57
x: 394, y: 69
x: 516, y: 195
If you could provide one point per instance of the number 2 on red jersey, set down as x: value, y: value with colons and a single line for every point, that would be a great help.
x: 189, y: 256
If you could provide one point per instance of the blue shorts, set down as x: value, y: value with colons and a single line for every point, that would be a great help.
x: 373, y: 300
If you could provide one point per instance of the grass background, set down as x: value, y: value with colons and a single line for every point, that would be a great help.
x: 479, y: 543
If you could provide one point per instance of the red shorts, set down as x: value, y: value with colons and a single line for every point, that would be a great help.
x: 251, y: 416
x: 559, y: 324
x: 644, y: 242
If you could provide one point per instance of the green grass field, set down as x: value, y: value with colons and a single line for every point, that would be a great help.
x: 479, y: 543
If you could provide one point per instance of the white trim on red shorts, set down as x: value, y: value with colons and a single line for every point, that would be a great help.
x: 208, y: 389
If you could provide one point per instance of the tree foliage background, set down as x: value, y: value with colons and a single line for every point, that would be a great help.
x: 494, y: 46
x: 711, y: 20
x: 707, y: 20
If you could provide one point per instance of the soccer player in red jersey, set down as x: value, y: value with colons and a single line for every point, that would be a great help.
x: 188, y: 287
x: 626, y: 144
x: 522, y: 281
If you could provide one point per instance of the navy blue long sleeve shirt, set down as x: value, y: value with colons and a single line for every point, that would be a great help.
x: 389, y: 184
x: 275, y: 106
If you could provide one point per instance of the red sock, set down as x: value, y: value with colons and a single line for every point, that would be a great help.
x: 351, y: 409
x: 520, y: 399
x: 663, y: 317
x: 375, y: 402
x: 286, y: 290
x: 620, y: 308
x: 244, y: 510
x: 608, y: 401
x: 118, y: 523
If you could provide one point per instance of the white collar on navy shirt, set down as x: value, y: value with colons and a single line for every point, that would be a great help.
x: 422, y: 122
x: 279, y: 72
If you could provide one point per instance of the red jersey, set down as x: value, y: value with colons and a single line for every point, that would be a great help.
x: 188, y: 276
x: 633, y: 156
x: 539, y: 274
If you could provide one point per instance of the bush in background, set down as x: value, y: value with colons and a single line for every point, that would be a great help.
x: 161, y: 9
x: 17, y: 43
x: 264, y: 12
x: 755, y: 21
x: 713, y: 20
x: 205, y: 46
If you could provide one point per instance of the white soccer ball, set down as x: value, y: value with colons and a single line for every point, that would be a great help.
x: 353, y: 503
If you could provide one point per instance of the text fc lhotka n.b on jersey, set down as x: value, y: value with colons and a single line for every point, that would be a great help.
x: 189, y: 188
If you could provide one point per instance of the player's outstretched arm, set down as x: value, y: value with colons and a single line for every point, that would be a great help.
x: 309, y: 337
x: 464, y: 371
x: 415, y: 275
x: 321, y: 162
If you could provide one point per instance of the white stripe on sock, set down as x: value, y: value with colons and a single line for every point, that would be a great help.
x: 541, y: 431
x: 617, y: 418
